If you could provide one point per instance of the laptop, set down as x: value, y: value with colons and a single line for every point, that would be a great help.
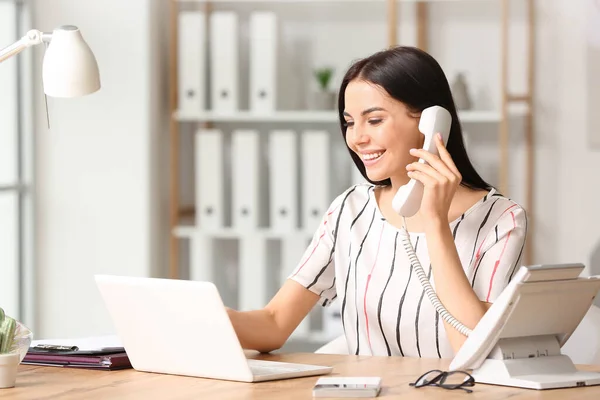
x: 181, y: 327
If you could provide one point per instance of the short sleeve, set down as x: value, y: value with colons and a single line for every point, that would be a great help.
x: 499, y: 254
x: 316, y: 270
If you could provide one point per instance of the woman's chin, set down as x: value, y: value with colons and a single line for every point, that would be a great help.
x: 377, y: 176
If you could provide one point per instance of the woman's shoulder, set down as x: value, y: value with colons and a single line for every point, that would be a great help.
x: 494, y: 208
x: 356, y: 193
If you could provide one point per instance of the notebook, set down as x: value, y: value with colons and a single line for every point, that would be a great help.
x: 107, y: 362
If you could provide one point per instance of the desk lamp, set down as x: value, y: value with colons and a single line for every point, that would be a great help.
x: 69, y: 68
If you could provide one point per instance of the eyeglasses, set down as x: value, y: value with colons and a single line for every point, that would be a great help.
x: 447, y: 380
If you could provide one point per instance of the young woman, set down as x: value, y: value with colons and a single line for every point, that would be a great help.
x: 468, y: 237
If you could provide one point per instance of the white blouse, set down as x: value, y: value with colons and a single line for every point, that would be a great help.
x: 356, y: 258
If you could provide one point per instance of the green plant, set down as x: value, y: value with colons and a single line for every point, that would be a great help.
x: 323, y: 76
x: 8, y: 327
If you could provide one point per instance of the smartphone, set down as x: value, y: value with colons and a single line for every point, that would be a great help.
x: 332, y: 386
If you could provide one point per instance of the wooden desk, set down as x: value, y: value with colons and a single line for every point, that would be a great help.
x: 35, y: 382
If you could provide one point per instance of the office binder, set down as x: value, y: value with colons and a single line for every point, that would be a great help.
x: 263, y: 63
x: 96, y: 352
x: 192, y: 61
x: 253, y: 279
x: 202, y: 258
x: 246, y: 180
x: 283, y: 173
x: 315, y: 177
x: 224, y: 61
x: 209, y: 167
x: 108, y: 362
x: 332, y: 321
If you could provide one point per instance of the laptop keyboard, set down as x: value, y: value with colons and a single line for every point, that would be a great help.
x: 261, y: 367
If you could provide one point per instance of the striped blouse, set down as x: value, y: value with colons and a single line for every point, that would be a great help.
x: 356, y: 258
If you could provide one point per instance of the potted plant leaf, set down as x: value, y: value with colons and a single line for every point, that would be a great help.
x: 15, y: 339
x: 324, y: 98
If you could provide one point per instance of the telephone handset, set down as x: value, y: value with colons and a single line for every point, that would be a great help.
x: 407, y: 202
x: 436, y: 119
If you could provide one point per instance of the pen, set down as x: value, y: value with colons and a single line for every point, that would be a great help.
x: 53, y: 348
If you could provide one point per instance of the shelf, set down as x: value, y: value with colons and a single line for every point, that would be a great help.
x: 470, y: 116
x: 248, y: 116
x: 190, y: 231
x: 332, y: 1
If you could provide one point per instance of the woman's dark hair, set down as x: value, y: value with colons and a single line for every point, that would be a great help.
x: 414, y: 78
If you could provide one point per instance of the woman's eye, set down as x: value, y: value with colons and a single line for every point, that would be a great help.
x: 374, y: 121
x: 349, y: 123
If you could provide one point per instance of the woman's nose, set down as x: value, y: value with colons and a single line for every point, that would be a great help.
x: 360, y: 136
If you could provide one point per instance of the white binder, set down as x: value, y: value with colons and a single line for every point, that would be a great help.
x: 246, y: 182
x: 202, y: 257
x: 253, y: 279
x: 224, y: 61
x: 209, y: 168
x: 263, y: 63
x: 283, y: 172
x: 192, y: 61
x: 315, y: 177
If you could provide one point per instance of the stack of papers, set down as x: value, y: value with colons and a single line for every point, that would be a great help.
x: 84, y: 344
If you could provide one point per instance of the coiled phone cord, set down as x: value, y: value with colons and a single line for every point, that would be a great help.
x: 426, y: 284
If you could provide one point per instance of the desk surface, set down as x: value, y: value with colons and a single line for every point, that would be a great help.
x: 396, y: 372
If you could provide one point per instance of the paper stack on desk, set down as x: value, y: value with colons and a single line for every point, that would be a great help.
x: 103, y: 352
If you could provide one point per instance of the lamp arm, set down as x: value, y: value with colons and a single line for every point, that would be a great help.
x: 32, y: 38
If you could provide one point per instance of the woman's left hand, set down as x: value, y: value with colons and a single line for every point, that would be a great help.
x: 440, y: 179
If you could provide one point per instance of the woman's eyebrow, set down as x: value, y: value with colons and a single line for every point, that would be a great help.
x: 367, y: 111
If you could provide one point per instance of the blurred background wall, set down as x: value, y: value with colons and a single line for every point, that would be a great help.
x: 102, y: 169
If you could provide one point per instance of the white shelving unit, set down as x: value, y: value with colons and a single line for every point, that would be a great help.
x: 202, y: 240
x: 189, y: 231
x: 470, y: 116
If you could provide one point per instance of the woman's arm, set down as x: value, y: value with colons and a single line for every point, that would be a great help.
x: 441, y: 179
x: 268, y: 329
x: 451, y: 284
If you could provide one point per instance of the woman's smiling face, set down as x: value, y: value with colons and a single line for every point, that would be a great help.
x: 381, y: 130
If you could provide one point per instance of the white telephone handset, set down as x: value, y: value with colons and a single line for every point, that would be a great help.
x: 407, y: 202
x: 436, y: 119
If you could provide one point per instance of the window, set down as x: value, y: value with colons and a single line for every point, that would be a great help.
x: 16, y: 183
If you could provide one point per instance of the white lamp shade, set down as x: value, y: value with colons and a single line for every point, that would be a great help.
x: 69, y: 68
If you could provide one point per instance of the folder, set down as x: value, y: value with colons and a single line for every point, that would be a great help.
x: 224, y: 61
x: 99, y: 352
x: 246, y: 179
x: 202, y: 258
x: 283, y: 174
x: 332, y: 321
x: 315, y: 177
x: 263, y: 63
x: 209, y: 170
x: 253, y: 278
x: 109, y: 362
x: 192, y: 61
